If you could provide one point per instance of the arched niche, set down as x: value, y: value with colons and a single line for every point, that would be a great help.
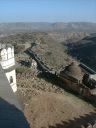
x: 4, y: 54
x: 11, y: 80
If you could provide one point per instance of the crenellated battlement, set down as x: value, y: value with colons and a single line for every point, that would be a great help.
x: 7, y: 56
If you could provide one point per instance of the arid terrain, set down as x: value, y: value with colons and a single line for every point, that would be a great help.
x: 45, y: 104
x: 50, y: 47
x: 12, y: 28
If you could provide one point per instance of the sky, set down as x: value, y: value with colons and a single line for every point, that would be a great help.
x: 47, y: 10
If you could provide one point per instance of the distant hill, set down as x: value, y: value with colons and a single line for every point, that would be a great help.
x: 9, y: 28
x: 85, y: 50
x: 50, y: 51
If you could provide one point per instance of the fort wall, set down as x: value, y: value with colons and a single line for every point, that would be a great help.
x: 7, y: 61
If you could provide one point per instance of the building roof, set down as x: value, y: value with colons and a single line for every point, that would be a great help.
x: 11, y: 114
x: 73, y: 70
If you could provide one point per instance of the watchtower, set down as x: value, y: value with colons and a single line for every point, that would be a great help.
x: 7, y: 62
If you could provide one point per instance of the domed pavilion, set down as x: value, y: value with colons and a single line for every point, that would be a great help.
x: 72, y: 71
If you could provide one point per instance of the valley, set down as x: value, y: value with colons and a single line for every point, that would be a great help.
x: 45, y: 103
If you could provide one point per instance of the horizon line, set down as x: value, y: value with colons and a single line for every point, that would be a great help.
x: 47, y: 22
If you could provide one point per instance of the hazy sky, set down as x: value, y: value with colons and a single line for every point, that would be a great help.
x: 47, y: 10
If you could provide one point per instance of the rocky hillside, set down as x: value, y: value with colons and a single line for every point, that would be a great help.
x: 68, y: 36
x: 10, y: 28
x: 46, y: 105
x: 49, y: 46
x: 84, y: 50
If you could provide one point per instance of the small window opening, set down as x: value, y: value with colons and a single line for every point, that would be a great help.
x: 11, y: 79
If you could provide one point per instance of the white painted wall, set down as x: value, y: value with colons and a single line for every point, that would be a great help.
x: 7, y: 57
x: 13, y: 84
x: 34, y: 63
x: 7, y: 61
x: 93, y: 77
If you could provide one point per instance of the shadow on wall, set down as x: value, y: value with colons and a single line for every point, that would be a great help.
x: 11, y: 117
x: 81, y: 122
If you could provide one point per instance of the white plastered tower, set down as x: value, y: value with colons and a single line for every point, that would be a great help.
x: 7, y: 61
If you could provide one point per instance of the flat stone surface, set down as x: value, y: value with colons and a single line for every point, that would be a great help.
x: 11, y: 115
